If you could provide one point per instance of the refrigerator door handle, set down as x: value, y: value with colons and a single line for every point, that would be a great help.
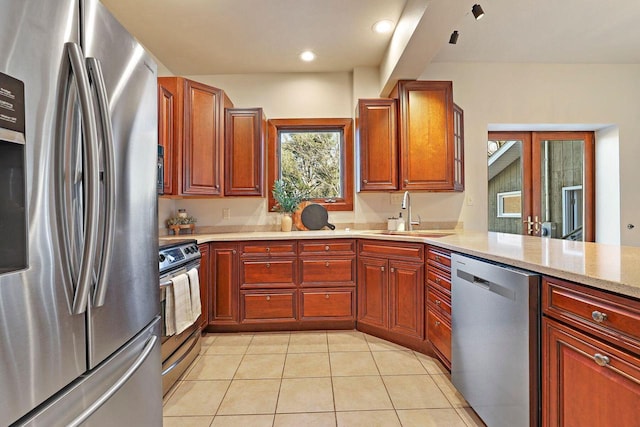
x: 109, y: 208
x: 146, y: 351
x: 90, y: 178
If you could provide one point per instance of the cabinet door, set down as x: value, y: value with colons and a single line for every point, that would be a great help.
x: 458, y: 148
x: 377, y: 144
x: 167, y: 104
x: 204, y: 283
x: 201, y: 147
x: 439, y: 335
x: 223, y: 293
x: 406, y: 289
x: 587, y: 382
x: 373, y: 292
x: 426, y: 135
x: 244, y: 148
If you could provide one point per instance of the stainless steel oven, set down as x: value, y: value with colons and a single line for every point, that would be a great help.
x: 179, y: 350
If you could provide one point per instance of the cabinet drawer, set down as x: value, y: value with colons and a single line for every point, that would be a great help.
x: 278, y: 273
x: 406, y: 251
x: 320, y: 272
x: 439, y: 302
x: 609, y: 316
x: 438, y: 279
x: 268, y: 306
x: 439, y: 333
x: 330, y: 303
x: 327, y: 247
x: 439, y: 257
x: 272, y: 248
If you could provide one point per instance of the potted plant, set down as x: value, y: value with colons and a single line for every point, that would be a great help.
x: 287, y: 200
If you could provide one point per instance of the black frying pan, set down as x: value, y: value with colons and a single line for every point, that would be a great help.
x: 315, y: 217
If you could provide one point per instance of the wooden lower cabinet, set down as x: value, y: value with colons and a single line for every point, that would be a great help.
x: 327, y: 304
x: 391, y: 292
x: 406, y: 295
x: 277, y: 306
x: 203, y: 277
x: 587, y: 382
x: 223, y: 284
x: 438, y: 303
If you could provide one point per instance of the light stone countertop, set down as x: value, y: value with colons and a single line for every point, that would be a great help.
x: 608, y: 267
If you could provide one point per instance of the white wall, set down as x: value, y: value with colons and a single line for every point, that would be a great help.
x: 608, y: 177
x: 553, y: 94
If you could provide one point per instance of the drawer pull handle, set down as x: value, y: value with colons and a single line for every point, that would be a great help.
x: 268, y: 265
x: 599, y: 316
x: 268, y: 297
x: 326, y: 264
x: 601, y: 360
x: 326, y: 296
x: 326, y: 248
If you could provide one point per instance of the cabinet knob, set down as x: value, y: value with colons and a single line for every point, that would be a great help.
x: 438, y: 258
x: 268, y: 297
x: 326, y: 264
x: 437, y: 323
x: 437, y: 302
x: 217, y: 186
x: 600, y: 359
x: 234, y: 251
x: 599, y: 316
x: 438, y: 280
x: 381, y: 268
x: 268, y: 265
x: 364, y: 181
x: 326, y: 296
x: 326, y: 248
x: 257, y: 187
x: 393, y: 269
x: 268, y: 249
x: 406, y: 181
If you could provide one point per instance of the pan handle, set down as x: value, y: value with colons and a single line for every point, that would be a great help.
x: 331, y: 226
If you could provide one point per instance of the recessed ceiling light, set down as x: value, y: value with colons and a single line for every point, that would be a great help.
x: 307, y: 56
x: 384, y: 26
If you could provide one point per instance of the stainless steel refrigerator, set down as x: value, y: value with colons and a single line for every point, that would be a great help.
x: 79, y: 297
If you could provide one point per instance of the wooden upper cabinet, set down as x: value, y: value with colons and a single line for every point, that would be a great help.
x: 166, y: 135
x: 377, y: 135
x: 198, y: 135
x: 245, y: 130
x: 426, y: 134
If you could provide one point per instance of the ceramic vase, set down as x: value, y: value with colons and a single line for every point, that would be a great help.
x: 286, y: 222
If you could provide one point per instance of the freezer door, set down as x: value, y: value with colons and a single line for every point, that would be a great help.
x: 131, y: 292
x: 125, y: 390
x: 42, y: 345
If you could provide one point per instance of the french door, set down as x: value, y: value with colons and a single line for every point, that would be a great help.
x: 542, y: 184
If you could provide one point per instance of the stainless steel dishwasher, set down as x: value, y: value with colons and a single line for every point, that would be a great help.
x: 495, y: 340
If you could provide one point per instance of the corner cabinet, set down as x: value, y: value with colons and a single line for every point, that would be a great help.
x: 590, y: 356
x: 245, y: 130
x: 428, y: 149
x: 191, y: 129
x: 391, y: 291
x: 377, y: 139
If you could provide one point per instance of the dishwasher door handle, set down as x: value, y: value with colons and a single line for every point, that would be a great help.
x: 487, y: 285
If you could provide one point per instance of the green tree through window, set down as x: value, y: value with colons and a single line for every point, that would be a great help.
x: 310, y: 161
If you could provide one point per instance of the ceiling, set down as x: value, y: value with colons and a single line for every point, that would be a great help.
x: 199, y: 37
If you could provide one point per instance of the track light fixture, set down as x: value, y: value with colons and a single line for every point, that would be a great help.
x: 454, y: 37
x: 477, y: 11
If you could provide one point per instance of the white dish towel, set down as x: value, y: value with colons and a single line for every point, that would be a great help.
x: 194, y: 286
x: 178, y: 313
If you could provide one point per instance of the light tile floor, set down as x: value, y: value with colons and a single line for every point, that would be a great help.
x: 325, y: 378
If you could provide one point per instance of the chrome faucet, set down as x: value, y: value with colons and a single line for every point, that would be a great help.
x: 406, y: 204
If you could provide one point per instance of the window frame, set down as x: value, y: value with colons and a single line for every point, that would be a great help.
x: 275, y: 126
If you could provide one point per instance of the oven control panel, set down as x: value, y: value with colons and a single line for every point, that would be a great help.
x: 172, y: 257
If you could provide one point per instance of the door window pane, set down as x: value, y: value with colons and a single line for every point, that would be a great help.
x: 505, y: 179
